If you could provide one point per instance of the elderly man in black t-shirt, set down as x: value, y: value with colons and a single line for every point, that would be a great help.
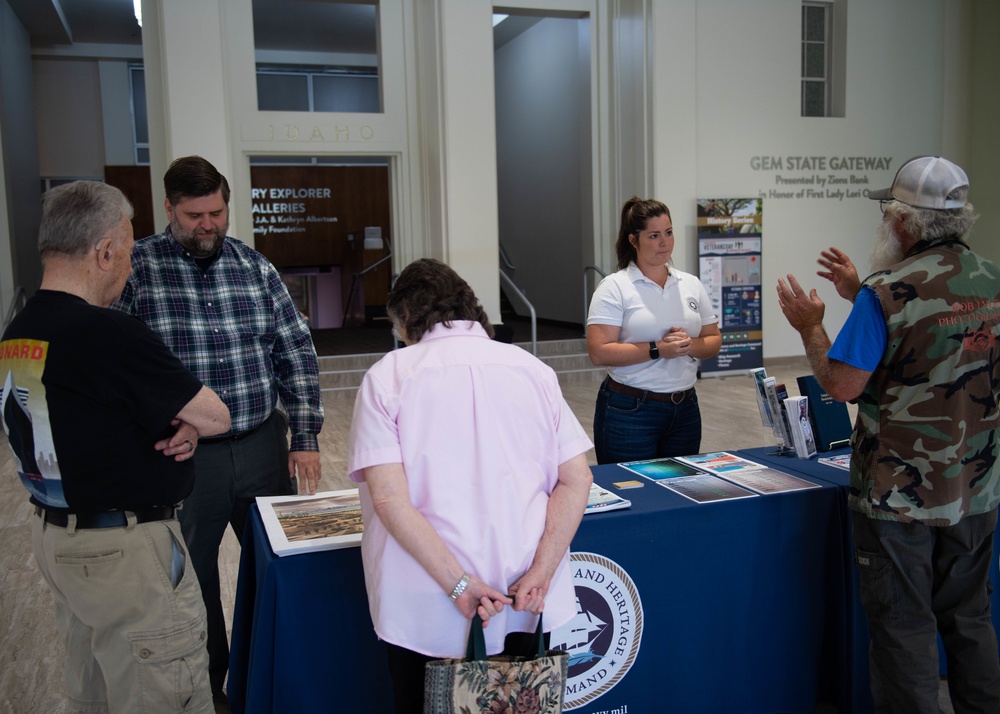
x: 103, y: 420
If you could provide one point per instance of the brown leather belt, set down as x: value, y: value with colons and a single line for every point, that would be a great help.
x: 105, y: 519
x: 675, y: 397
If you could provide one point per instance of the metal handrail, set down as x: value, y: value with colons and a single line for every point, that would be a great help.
x: 16, y: 303
x: 354, y: 278
x: 586, y: 293
x: 534, y: 317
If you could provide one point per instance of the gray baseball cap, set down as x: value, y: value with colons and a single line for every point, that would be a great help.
x: 925, y: 182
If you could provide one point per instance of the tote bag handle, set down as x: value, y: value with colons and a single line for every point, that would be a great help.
x: 476, y: 649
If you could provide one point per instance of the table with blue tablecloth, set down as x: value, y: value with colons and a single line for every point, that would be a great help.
x: 742, y: 610
x: 858, y: 635
x: 857, y: 684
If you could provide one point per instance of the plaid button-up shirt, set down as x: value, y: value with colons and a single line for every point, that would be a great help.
x: 234, y: 326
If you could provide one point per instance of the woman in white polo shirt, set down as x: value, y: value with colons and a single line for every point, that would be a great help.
x: 649, y: 324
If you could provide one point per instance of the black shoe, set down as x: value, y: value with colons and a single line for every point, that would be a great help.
x: 221, y: 702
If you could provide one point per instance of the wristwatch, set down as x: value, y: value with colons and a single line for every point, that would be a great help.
x: 654, y: 351
x: 460, y: 587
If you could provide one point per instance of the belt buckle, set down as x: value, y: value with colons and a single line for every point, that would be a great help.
x: 678, y: 397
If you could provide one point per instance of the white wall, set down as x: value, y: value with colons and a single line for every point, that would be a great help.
x: 984, y: 140
x: 722, y: 87
x: 21, y: 196
x: 68, y: 117
x: 543, y: 163
x: 746, y: 104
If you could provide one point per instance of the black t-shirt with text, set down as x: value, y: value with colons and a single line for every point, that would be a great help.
x: 87, y: 391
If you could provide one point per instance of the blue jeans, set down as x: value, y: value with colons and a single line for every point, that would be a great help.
x: 917, y: 581
x: 628, y: 428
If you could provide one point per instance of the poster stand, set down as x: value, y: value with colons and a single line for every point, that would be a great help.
x: 729, y: 264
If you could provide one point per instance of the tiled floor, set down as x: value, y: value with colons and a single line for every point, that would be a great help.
x: 30, y: 651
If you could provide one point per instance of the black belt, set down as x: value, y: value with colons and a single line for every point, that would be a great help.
x: 105, y: 519
x: 234, y: 437
x: 675, y: 397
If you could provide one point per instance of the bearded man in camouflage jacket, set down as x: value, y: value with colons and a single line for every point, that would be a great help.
x: 919, y: 354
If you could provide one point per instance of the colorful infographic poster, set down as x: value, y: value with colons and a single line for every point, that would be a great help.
x: 729, y: 253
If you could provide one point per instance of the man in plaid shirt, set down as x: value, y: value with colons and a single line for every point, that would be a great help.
x: 222, y: 308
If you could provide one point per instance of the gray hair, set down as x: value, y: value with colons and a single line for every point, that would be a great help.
x: 935, y: 224
x: 77, y: 215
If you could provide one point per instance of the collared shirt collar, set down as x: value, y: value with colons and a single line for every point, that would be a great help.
x: 459, y: 328
x: 635, y: 275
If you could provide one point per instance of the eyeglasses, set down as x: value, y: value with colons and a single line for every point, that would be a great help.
x: 883, y: 203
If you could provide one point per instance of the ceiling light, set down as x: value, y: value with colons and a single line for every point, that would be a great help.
x: 137, y: 7
x: 497, y: 19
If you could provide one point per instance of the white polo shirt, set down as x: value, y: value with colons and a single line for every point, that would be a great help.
x: 645, y: 312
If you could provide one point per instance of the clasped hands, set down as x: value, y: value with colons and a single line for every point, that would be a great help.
x: 479, y: 597
x: 676, y: 343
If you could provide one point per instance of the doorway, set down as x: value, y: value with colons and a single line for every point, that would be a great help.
x: 542, y: 73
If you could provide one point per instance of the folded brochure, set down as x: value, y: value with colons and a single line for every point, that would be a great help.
x: 601, y: 499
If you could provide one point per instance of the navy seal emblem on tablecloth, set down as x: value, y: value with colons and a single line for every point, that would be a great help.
x: 603, y: 639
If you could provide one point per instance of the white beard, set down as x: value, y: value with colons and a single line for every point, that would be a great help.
x: 887, y: 251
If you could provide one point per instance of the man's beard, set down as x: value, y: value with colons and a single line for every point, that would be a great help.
x: 887, y: 251
x: 198, y: 243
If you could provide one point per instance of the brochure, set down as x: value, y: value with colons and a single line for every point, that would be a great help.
x: 659, y: 469
x: 777, y: 423
x: 601, y: 499
x: 758, y: 375
x: 830, y: 420
x: 719, y: 462
x: 706, y: 488
x: 766, y: 480
x: 839, y: 462
x: 797, y: 409
x: 304, y: 524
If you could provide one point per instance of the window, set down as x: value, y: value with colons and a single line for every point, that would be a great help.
x: 140, y: 125
x: 317, y: 56
x: 317, y: 89
x: 817, y: 23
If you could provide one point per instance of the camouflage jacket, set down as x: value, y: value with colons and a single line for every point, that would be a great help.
x: 925, y: 441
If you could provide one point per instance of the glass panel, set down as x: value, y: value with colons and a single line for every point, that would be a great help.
x: 320, y: 35
x: 814, y: 59
x: 142, y: 156
x: 814, y: 99
x: 283, y: 92
x: 815, y: 23
x: 139, y: 120
x: 345, y: 93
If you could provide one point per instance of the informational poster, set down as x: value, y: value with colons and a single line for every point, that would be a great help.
x: 729, y: 252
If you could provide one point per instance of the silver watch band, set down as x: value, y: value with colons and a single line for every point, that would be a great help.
x: 460, y: 587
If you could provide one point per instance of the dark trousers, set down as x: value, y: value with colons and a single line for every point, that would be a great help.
x: 229, y: 474
x: 917, y: 581
x: 406, y: 668
x: 628, y: 428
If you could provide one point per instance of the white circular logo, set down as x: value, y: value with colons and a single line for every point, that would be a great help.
x: 603, y: 639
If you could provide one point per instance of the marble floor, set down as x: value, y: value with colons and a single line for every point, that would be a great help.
x: 31, y: 653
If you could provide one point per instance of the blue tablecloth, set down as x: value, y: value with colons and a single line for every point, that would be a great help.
x: 857, y: 692
x: 302, y: 637
x: 743, y: 605
x: 858, y: 634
